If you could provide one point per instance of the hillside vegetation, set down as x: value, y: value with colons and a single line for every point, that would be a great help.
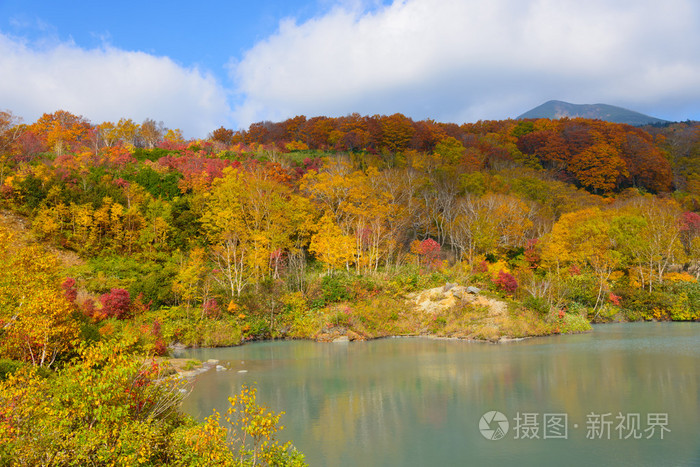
x: 126, y: 236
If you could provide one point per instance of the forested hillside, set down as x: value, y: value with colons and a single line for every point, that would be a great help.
x: 249, y: 228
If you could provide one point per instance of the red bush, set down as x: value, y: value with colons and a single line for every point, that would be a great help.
x: 116, y: 304
x: 614, y: 299
x: 532, y: 254
x: 211, y: 309
x: 69, y: 290
x: 159, y: 347
x: 506, y: 282
x: 88, y: 308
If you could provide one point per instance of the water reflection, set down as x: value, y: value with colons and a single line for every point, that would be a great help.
x: 419, y: 401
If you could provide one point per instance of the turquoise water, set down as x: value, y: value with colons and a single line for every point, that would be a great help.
x: 416, y: 401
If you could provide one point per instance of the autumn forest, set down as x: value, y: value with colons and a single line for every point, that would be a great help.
x: 124, y: 239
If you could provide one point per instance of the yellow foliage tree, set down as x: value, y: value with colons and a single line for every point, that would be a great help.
x: 584, y: 237
x: 35, y: 317
x: 330, y: 245
x: 249, y: 220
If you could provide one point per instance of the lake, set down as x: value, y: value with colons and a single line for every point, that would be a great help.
x: 624, y: 395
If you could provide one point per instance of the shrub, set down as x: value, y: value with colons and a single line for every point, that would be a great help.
x: 335, y: 289
x: 252, y: 437
x: 69, y: 290
x: 404, y: 283
x: 575, y: 323
x: 8, y: 367
x: 582, y: 288
x: 538, y: 304
x: 159, y: 346
x: 112, y: 408
x: 211, y: 309
x: 578, y: 309
x: 257, y: 328
x: 649, y: 305
x: 156, y: 286
x: 116, y: 304
x: 687, y: 305
x: 506, y: 282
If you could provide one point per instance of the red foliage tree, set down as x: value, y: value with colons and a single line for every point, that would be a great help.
x: 222, y: 135
x: 292, y: 128
x: 307, y: 165
x: 532, y: 254
x: 397, y: 132
x: 427, y: 134
x: 646, y: 164
x: 577, y: 134
x: 428, y: 250
x: 689, y: 229
x: 196, y: 168
x: 316, y: 131
x: 548, y: 145
x: 29, y: 145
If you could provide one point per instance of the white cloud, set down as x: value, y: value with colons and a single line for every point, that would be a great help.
x: 107, y: 84
x: 464, y: 60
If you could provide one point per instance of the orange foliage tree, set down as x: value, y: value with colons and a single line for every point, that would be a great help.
x: 62, y: 130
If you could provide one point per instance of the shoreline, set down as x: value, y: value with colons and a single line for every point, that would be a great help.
x: 178, y: 364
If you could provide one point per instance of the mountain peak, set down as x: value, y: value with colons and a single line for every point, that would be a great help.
x: 555, y: 109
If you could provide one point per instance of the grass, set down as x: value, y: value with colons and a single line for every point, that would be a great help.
x: 388, y: 315
x: 191, y: 364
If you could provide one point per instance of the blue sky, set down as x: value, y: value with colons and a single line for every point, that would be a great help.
x: 201, y: 65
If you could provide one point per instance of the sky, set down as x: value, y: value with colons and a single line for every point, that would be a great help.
x: 198, y: 66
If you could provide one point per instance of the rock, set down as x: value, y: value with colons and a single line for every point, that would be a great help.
x: 213, y: 361
x: 448, y: 286
x: 458, y: 292
x: 353, y: 336
x: 243, y: 371
x: 220, y: 368
x: 474, y: 290
x: 341, y: 339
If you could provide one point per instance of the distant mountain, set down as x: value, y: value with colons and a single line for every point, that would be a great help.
x: 608, y: 113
